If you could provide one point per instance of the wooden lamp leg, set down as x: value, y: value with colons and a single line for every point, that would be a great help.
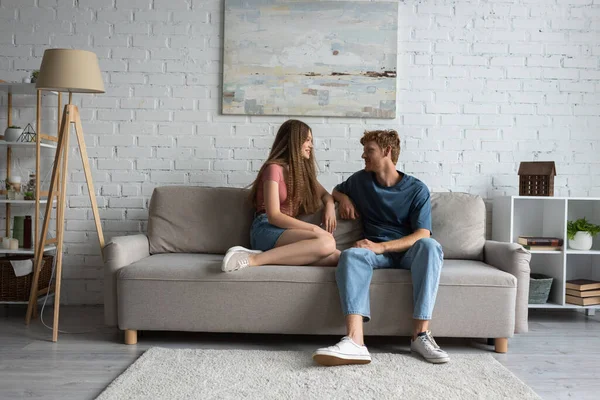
x: 60, y: 220
x: 70, y: 115
x: 88, y: 179
x: 49, y: 205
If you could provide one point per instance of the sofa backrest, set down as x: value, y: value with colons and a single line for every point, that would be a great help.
x: 195, y: 219
x: 458, y: 224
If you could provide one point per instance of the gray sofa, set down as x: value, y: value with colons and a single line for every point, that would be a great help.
x: 170, y: 279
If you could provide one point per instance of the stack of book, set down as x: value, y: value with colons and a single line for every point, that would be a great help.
x: 583, y: 292
x: 541, y: 243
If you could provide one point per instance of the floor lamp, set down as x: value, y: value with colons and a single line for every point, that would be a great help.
x: 72, y: 71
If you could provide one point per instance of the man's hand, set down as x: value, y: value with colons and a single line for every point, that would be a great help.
x: 347, y: 209
x: 376, y: 248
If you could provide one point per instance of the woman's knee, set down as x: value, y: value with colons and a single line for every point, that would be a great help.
x: 326, y: 246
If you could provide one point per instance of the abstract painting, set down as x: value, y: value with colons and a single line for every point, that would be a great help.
x: 312, y: 58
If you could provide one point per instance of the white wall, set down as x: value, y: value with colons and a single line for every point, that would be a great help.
x: 482, y: 86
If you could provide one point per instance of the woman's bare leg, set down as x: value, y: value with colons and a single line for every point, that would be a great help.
x: 299, y: 247
x: 329, y: 261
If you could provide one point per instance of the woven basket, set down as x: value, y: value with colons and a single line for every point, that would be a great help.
x: 14, y: 288
x: 539, y: 288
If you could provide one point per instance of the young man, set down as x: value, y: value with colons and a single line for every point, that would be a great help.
x: 396, y: 213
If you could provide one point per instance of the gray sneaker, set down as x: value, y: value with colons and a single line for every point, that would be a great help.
x: 236, y: 258
x: 426, y: 346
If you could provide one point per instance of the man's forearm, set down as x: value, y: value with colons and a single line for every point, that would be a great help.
x: 405, y: 243
x: 338, y: 196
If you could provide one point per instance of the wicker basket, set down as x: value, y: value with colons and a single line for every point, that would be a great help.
x: 539, y: 288
x: 14, y: 288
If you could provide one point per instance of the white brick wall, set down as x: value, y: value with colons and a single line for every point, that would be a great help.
x: 482, y: 85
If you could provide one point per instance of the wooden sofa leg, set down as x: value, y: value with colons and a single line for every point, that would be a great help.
x: 501, y: 345
x: 130, y: 336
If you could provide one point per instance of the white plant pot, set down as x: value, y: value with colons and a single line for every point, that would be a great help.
x: 582, y: 241
x: 12, y: 134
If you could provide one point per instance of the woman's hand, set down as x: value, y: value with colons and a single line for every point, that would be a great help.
x: 329, y: 219
x: 320, y: 231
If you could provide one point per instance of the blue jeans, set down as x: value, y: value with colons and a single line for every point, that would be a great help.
x: 355, y: 269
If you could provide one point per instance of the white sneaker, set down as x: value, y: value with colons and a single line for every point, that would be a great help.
x: 237, y: 258
x: 426, y: 346
x: 344, y: 353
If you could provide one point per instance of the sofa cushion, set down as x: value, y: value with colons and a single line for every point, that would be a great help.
x: 193, y: 219
x: 207, y: 268
x: 192, y: 294
x: 458, y: 223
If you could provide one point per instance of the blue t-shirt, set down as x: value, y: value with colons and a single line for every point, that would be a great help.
x: 388, y: 213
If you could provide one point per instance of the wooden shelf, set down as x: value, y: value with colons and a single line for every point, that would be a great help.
x: 32, y: 202
x: 27, y: 144
x: 20, y: 88
x: 26, y: 251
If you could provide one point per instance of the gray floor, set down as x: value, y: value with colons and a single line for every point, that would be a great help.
x: 559, y: 358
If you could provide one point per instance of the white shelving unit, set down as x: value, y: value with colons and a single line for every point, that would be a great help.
x: 515, y: 216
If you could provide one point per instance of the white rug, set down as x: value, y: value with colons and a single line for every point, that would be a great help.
x: 251, y: 374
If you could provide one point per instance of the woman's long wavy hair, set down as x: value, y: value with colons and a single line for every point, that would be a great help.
x: 302, y: 184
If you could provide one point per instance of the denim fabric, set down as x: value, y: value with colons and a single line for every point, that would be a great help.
x: 264, y: 235
x: 355, y: 269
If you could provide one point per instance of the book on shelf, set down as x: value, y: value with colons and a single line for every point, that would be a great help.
x: 540, y: 241
x: 583, y: 301
x: 583, y: 293
x: 582, y: 284
x: 543, y: 248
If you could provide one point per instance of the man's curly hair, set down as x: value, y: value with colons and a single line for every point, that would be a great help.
x: 384, y: 139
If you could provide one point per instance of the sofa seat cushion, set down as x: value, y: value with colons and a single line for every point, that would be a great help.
x: 207, y: 267
x: 188, y: 292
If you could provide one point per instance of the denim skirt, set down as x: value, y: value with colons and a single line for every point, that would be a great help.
x: 264, y: 235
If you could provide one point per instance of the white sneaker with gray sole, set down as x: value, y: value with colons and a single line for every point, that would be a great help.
x: 426, y: 346
x: 346, y: 352
x: 237, y: 258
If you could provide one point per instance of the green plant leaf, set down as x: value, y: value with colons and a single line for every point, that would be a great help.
x: 581, y: 225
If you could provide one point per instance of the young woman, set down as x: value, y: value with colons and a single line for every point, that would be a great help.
x: 285, y: 187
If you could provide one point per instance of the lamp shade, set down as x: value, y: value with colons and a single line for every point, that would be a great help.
x: 66, y: 70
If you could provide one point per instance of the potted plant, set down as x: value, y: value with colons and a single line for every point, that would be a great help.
x: 580, y: 234
x: 12, y: 133
x: 34, y: 75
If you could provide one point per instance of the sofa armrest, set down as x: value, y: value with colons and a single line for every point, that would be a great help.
x: 514, y: 259
x: 120, y: 252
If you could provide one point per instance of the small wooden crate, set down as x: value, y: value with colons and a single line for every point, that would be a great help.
x: 13, y: 288
x: 536, y: 178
